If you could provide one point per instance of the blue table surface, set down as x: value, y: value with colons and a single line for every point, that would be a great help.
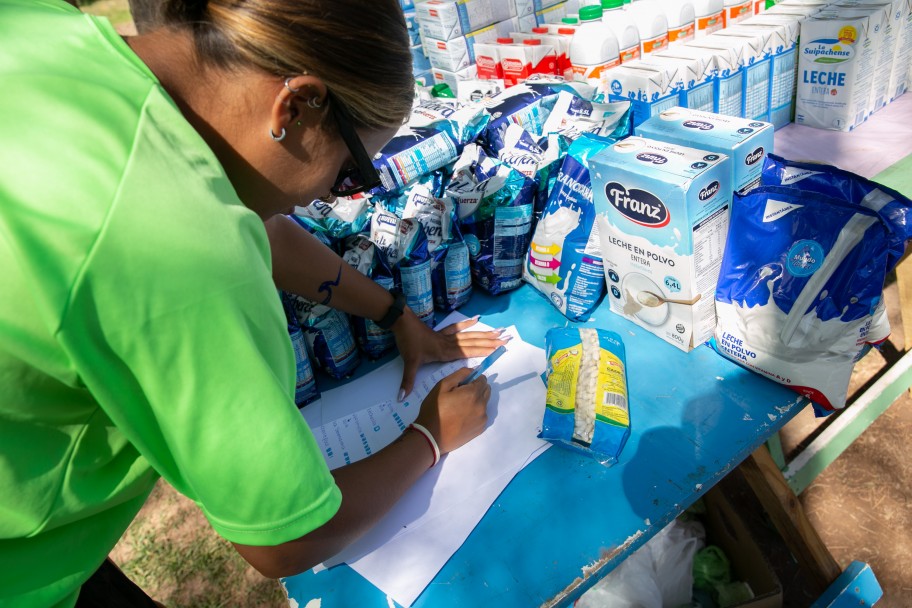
x: 565, y: 521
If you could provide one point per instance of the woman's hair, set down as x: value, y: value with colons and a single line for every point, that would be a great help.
x: 358, y: 48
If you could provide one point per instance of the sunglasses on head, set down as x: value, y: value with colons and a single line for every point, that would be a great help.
x: 363, y: 176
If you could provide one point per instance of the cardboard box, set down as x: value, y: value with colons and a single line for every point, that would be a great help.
x: 663, y: 215
x: 453, y: 78
x: 745, y: 141
x: 726, y: 530
x: 451, y: 55
x: 447, y: 19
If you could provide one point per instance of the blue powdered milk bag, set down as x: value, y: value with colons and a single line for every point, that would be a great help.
x: 586, y: 407
x: 329, y: 336
x: 406, y: 248
x: 802, y: 277
x: 893, y: 208
x: 494, y: 203
x: 364, y: 256
x: 662, y: 220
x: 305, y: 384
x: 433, y: 138
x: 451, y: 277
x: 564, y: 262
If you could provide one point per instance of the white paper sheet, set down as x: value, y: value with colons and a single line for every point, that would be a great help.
x: 402, y: 553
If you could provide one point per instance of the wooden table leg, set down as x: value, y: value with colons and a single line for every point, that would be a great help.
x: 788, y: 516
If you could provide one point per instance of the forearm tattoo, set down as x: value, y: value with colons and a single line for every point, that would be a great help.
x: 327, y: 286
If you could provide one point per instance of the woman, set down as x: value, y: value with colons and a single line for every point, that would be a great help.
x: 140, y: 333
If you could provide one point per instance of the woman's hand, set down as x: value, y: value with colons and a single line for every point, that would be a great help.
x: 456, y: 414
x: 418, y: 344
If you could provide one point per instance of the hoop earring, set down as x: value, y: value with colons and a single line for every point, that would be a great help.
x: 314, y: 103
x: 278, y: 137
x: 287, y: 86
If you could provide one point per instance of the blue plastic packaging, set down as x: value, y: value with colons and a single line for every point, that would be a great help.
x: 305, y: 384
x: 564, y: 262
x: 801, y: 280
x: 329, y: 336
x: 587, y: 407
x: 365, y: 257
x: 494, y: 203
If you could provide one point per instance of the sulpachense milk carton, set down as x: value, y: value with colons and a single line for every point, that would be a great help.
x: 886, y: 17
x: 724, y: 66
x: 746, y: 142
x: 663, y: 221
x: 902, y: 61
x: 784, y: 81
x: 836, y: 65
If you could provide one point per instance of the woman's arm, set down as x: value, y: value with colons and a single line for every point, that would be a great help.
x: 370, y: 487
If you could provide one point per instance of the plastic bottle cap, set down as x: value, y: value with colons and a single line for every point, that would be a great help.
x: 532, y: 41
x: 539, y: 30
x: 566, y: 31
x: 570, y: 20
x: 504, y: 41
x: 610, y: 5
x: 590, y: 13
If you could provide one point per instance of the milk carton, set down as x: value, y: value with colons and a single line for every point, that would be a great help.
x: 750, y: 51
x: 487, y: 60
x: 699, y: 94
x: 728, y: 78
x: 560, y: 44
x: 451, y: 55
x: 649, y: 91
x: 663, y: 220
x: 746, y: 142
x: 519, y: 61
x: 453, y: 78
x: 899, y: 78
x: 887, y: 14
x: 687, y: 76
x: 835, y: 71
x: 784, y: 67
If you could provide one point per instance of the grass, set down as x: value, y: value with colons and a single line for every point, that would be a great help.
x: 174, y: 555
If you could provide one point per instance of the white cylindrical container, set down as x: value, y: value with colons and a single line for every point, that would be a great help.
x: 652, y: 24
x: 737, y: 11
x: 681, y: 20
x: 593, y: 48
x: 709, y: 17
x: 623, y: 28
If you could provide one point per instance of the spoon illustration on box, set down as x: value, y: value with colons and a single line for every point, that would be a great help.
x: 652, y: 300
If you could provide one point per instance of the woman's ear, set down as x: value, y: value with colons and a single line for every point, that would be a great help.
x: 298, y: 103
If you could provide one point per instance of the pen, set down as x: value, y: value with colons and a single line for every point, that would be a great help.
x: 484, y: 365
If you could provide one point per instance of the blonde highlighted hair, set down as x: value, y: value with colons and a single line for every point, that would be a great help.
x: 358, y: 48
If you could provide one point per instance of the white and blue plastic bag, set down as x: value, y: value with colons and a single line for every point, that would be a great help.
x: 368, y: 259
x: 564, y: 262
x: 801, y: 280
x: 329, y: 336
x: 587, y: 407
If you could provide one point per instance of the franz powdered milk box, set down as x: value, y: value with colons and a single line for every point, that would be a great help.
x: 663, y: 213
x: 746, y: 142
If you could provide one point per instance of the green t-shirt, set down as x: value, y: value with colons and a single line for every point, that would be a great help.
x: 140, y: 332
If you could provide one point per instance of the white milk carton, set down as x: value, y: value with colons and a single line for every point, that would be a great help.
x: 701, y: 94
x: 835, y: 71
x: 886, y: 16
x: 737, y: 11
x: 899, y: 79
x: 783, y: 34
x: 688, y: 76
x: 728, y: 77
x: 453, y: 78
x: 451, y: 55
x: 752, y: 55
x: 649, y: 91
x: 663, y: 220
x: 746, y: 142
